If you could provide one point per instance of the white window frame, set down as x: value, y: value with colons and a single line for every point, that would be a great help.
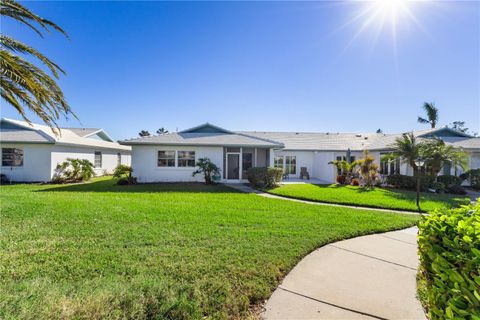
x: 16, y: 152
x: 289, y: 166
x: 95, y: 159
x: 174, y: 159
x: 187, y: 159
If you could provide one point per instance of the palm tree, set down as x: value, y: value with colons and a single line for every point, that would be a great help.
x: 24, y: 84
x: 432, y: 114
x: 437, y: 153
x: 162, y: 130
x: 144, y: 133
x: 407, y: 149
x: 347, y: 168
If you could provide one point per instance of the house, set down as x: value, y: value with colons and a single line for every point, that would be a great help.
x: 172, y: 156
x: 31, y: 153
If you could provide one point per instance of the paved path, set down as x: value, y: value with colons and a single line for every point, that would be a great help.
x: 247, y: 189
x: 369, y: 277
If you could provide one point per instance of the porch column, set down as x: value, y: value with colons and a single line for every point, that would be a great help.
x: 240, y: 165
x: 255, y: 159
x: 271, y: 158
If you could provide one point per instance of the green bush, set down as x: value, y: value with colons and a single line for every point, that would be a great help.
x: 264, y: 177
x: 449, y: 180
x: 449, y: 249
x: 123, y: 174
x: 473, y: 177
x: 410, y: 182
x: 73, y: 170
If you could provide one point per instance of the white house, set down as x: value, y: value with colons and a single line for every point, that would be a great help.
x: 172, y: 156
x: 31, y: 153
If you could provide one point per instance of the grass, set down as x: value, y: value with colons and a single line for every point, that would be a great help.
x: 376, y: 198
x: 158, y: 251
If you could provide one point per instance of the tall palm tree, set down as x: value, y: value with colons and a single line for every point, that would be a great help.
x: 407, y: 149
x: 432, y: 114
x: 23, y: 84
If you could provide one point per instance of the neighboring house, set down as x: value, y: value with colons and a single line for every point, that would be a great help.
x: 31, y: 153
x: 172, y: 156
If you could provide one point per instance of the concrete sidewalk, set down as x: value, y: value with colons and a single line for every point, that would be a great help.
x: 247, y: 189
x: 369, y: 277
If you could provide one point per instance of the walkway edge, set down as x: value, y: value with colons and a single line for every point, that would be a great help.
x: 248, y: 189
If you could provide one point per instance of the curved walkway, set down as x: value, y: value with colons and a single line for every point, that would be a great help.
x: 369, y: 277
x: 247, y: 189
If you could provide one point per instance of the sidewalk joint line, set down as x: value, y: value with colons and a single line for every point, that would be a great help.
x: 381, y: 235
x: 372, y: 257
x: 332, y: 304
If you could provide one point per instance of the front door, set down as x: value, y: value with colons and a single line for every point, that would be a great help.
x: 233, y: 166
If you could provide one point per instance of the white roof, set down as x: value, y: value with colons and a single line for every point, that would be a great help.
x: 16, y: 131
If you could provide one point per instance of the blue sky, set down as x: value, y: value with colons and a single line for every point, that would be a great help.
x: 275, y: 66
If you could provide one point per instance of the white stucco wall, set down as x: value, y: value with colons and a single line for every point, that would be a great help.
x: 321, y: 169
x: 145, y: 169
x: 109, y: 157
x: 303, y: 159
x: 36, y: 163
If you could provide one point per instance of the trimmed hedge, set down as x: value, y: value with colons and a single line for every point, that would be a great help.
x: 264, y: 177
x: 410, y: 182
x: 449, y: 249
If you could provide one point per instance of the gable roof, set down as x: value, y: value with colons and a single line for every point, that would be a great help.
x: 205, y: 135
x: 440, y: 132
x: 15, y: 131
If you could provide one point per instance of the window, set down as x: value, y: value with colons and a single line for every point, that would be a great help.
x: 12, y: 157
x: 186, y: 158
x: 247, y: 162
x: 290, y: 164
x: 278, y: 162
x: 166, y: 159
x: 119, y: 159
x: 98, y: 159
x: 233, y: 149
x: 389, y: 167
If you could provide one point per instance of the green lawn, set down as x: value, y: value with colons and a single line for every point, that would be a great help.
x: 159, y: 251
x: 377, y: 198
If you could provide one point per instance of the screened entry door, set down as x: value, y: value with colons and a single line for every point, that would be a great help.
x: 233, y: 166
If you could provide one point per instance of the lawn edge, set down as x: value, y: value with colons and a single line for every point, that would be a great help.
x: 344, y: 203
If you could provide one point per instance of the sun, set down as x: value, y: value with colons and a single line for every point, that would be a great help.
x: 390, y: 10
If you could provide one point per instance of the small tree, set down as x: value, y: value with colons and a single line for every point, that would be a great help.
x: 437, y: 154
x: 368, y: 170
x: 208, y: 168
x: 73, y: 170
x: 123, y: 174
x: 347, y: 168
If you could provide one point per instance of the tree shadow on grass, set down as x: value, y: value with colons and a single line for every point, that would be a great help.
x: 108, y: 185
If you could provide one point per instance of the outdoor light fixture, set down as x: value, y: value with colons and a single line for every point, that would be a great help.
x: 419, y: 162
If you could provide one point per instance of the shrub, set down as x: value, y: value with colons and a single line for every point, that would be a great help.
x: 73, y: 170
x: 449, y: 249
x: 341, y: 179
x: 126, y: 181
x: 264, y: 177
x: 438, y: 187
x: 456, y: 190
x: 123, y: 174
x: 355, y: 182
x: 410, y: 182
x: 473, y: 177
x: 208, y: 168
x: 4, y: 179
x: 449, y: 180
